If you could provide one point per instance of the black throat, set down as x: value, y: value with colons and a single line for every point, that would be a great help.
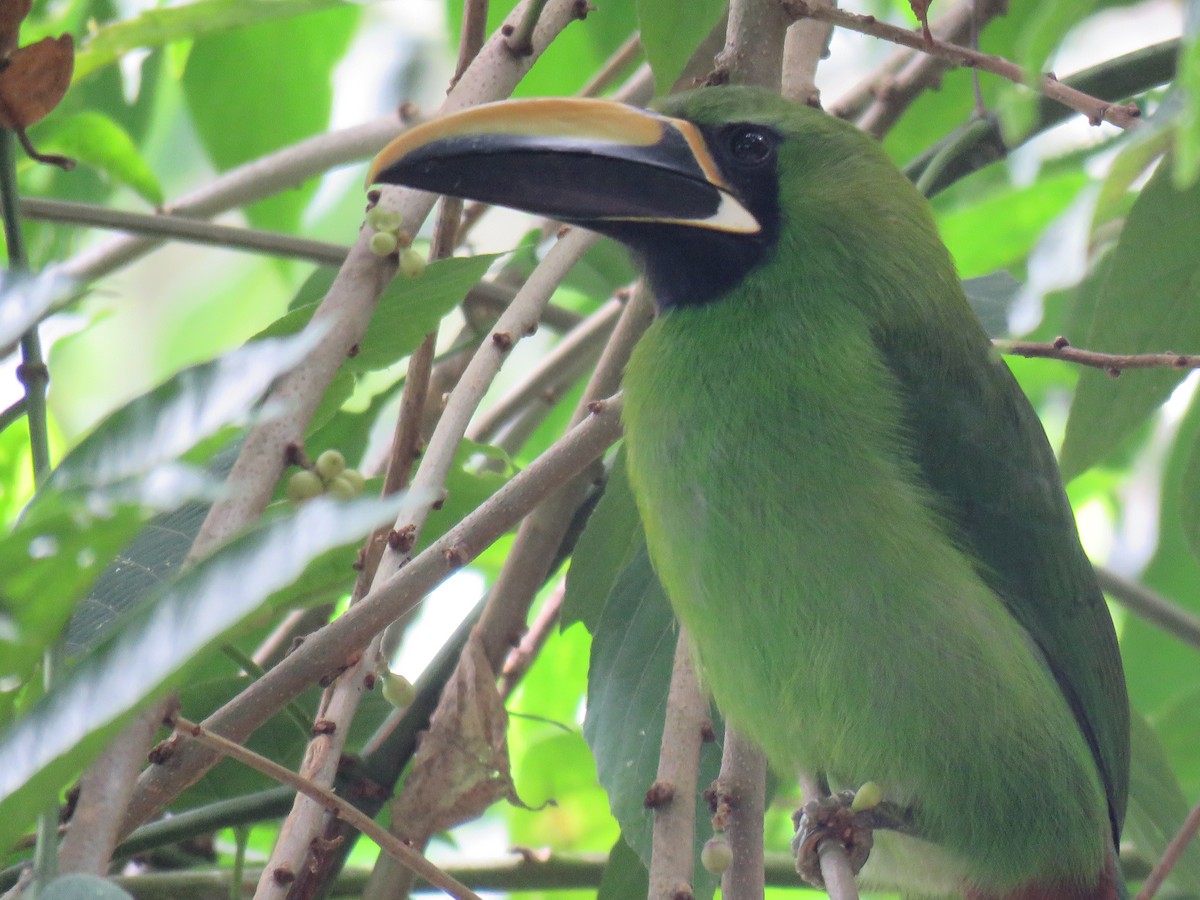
x: 688, y: 265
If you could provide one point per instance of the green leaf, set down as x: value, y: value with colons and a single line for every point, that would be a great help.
x: 1157, y: 807
x: 978, y: 246
x: 154, y: 430
x: 612, y: 538
x: 633, y: 651
x: 671, y: 32
x: 158, y: 27
x: 246, y: 101
x: 46, y: 748
x: 409, y: 309
x: 95, y: 139
x: 625, y: 875
x: 24, y: 301
x: 1147, y: 305
x: 47, y: 563
x: 1187, y: 80
x: 992, y: 297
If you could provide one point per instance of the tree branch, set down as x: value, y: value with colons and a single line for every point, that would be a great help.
x: 741, y: 800
x: 326, y: 649
x: 1112, y: 363
x: 753, y: 51
x: 1186, y: 834
x: 672, y: 797
x: 805, y: 45
x: 1152, y: 607
x: 1096, y: 110
x: 333, y: 803
x: 570, y: 356
x: 892, y: 96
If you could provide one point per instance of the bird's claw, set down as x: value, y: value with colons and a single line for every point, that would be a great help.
x: 830, y: 819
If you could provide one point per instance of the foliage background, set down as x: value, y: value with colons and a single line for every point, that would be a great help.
x: 167, y: 97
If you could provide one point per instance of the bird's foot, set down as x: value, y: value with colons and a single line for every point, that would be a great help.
x: 848, y: 818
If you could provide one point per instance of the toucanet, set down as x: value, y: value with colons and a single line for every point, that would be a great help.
x: 850, y: 503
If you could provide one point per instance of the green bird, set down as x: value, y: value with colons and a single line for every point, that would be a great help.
x: 850, y: 503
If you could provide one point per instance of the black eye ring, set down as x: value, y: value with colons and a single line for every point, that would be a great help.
x: 750, y: 146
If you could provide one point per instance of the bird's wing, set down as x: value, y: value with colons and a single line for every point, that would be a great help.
x: 984, y: 455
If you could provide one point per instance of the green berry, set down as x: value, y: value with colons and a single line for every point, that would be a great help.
x: 398, y: 690
x: 341, y: 488
x: 716, y: 856
x: 384, y: 219
x: 412, y: 263
x: 303, y: 485
x: 868, y: 796
x: 356, y: 479
x: 383, y: 243
x: 330, y: 465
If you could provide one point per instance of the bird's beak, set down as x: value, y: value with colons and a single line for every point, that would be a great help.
x: 591, y: 162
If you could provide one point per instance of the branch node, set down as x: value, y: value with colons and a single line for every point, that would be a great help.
x: 660, y: 794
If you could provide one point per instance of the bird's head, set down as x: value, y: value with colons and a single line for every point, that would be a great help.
x: 704, y: 189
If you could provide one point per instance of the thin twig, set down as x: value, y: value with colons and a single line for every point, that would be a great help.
x: 327, y: 648
x: 952, y: 26
x: 610, y: 70
x: 343, y: 315
x: 1111, y: 363
x: 178, y: 227
x: 923, y: 71
x: 521, y: 657
x: 470, y: 36
x: 672, y: 797
x: 980, y: 142
x: 298, y: 847
x: 1096, y: 110
x: 520, y: 40
x: 835, y: 865
x: 1152, y: 607
x: 333, y: 803
x: 574, y: 353
x: 256, y: 180
x: 1186, y: 834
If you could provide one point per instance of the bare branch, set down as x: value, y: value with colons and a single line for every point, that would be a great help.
x: 806, y: 44
x: 741, y: 800
x: 673, y: 794
x: 753, y: 52
x: 521, y: 657
x: 177, y: 227
x: 1112, y: 363
x: 330, y: 801
x: 572, y: 355
x: 325, y: 650
x: 892, y: 96
x: 1096, y: 110
x: 1155, y: 609
x: 1186, y: 834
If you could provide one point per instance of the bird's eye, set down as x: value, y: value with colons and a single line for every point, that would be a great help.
x: 750, y: 146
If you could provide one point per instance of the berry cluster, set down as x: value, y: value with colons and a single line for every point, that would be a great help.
x: 387, y: 238
x: 328, y: 475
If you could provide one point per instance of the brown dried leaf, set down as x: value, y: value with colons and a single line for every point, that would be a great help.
x: 35, y: 81
x: 461, y: 766
x: 12, y: 13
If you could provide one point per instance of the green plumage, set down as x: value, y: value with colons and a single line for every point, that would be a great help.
x: 850, y: 503
x: 855, y: 513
